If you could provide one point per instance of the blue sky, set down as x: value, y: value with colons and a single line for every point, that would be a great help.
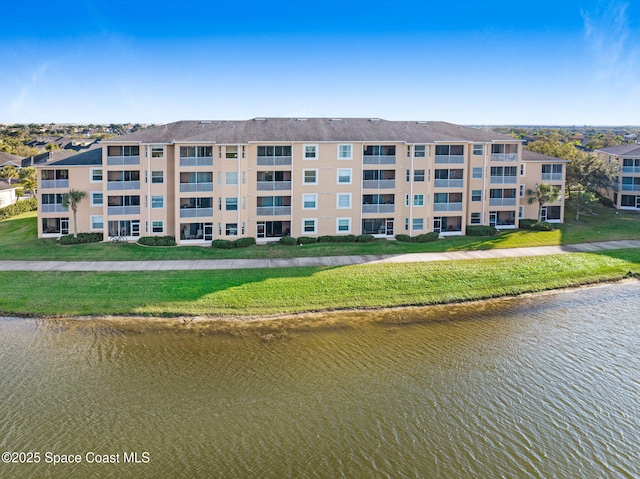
x: 468, y: 62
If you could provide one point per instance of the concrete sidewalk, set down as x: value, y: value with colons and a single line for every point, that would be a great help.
x: 220, y: 264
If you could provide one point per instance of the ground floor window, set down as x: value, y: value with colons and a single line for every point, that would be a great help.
x: 231, y: 229
x: 309, y: 225
x: 124, y: 228
x: 157, y: 226
x: 629, y: 201
x: 192, y: 231
x: 97, y: 223
x: 418, y: 224
x: 273, y: 229
x: 447, y: 224
x: 377, y: 226
x: 551, y: 213
x: 502, y: 218
x: 475, y: 218
x: 343, y: 225
x: 55, y: 226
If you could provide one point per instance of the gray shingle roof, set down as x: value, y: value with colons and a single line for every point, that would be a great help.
x: 632, y: 149
x: 533, y: 156
x: 86, y: 158
x: 9, y: 159
x: 311, y: 130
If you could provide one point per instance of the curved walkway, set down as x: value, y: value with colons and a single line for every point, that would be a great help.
x: 219, y: 264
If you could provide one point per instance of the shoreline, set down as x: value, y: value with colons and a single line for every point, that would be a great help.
x: 277, y: 326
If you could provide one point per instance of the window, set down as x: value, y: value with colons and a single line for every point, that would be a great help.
x: 406, y: 224
x: 418, y: 175
x: 231, y: 229
x: 343, y: 225
x: 345, y: 152
x: 96, y: 175
x: 310, y: 202
x: 522, y: 169
x: 157, y: 151
x: 196, y: 152
x: 521, y: 191
x: 418, y: 224
x: 231, y: 178
x: 343, y: 201
x: 475, y: 218
x: 157, y: 202
x: 447, y: 150
x: 476, y: 195
x: 97, y: 223
x: 272, y: 151
x: 231, y: 204
x: 418, y: 200
x: 419, y: 151
x: 476, y: 173
x: 309, y: 225
x: 123, y: 151
x: 408, y: 175
x: 520, y: 211
x: 478, y: 149
x: 379, y: 150
x: 310, y: 177
x: 96, y: 198
x: 157, y: 226
x: 344, y: 176
x: 310, y: 152
x: 231, y: 152
x: 406, y: 200
x: 157, y: 177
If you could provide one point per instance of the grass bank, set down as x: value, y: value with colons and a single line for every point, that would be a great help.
x: 243, y: 293
x: 18, y: 241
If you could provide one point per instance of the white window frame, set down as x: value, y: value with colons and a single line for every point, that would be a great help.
x: 155, y: 149
x: 304, y: 178
x: 416, y: 197
x: 475, y: 147
x: 227, y: 229
x: 338, y: 195
x: 420, y: 154
x: 345, y: 145
x: 305, y: 199
x: 227, y: 204
x: 350, y: 170
x: 315, y: 226
x: 93, y: 202
x: 161, y: 223
x: 231, y: 178
x: 473, y: 195
x: 304, y: 152
x: 93, y: 173
x: 479, y: 215
x: 348, y: 230
x: 92, y: 220
x: 415, y: 226
x: 475, y: 170
x: 152, y: 177
x: 155, y: 198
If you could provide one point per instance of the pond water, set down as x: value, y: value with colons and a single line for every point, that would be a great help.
x: 541, y: 386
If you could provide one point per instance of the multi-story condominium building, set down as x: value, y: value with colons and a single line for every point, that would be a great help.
x: 626, y: 191
x: 271, y: 177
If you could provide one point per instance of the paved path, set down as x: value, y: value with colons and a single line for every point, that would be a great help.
x: 216, y: 264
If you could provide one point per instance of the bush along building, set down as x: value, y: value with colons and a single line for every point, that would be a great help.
x: 271, y: 177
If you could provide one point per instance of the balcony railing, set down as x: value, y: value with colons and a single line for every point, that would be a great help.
x: 631, y: 169
x: 195, y: 212
x: 274, y: 160
x: 630, y: 187
x: 53, y: 208
x: 273, y: 211
x: 450, y: 159
x: 504, y: 157
x: 378, y: 208
x: 195, y: 187
x: 123, y: 160
x: 447, y: 207
x: 506, y: 180
x: 123, y: 210
x: 378, y: 184
x: 551, y: 176
x: 448, y: 183
x: 55, y: 184
x: 274, y: 185
x: 186, y: 161
x: 379, y: 159
x: 502, y: 201
x: 123, y: 185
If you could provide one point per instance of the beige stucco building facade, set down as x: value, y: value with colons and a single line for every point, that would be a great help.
x: 625, y: 193
x: 270, y: 177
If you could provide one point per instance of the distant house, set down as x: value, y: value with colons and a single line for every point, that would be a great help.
x: 64, y: 143
x: 7, y: 159
x: 626, y: 191
x: 55, y: 155
x: 7, y: 193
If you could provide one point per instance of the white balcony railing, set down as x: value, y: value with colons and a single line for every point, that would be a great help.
x: 195, y: 212
x: 123, y: 185
x: 123, y: 210
x: 378, y: 184
x: 551, y: 176
x: 384, y: 208
x: 450, y: 159
x: 504, y: 157
x: 123, y: 160
x: 274, y: 185
x: 631, y: 169
x: 55, y: 184
x: 186, y: 161
x: 273, y: 210
x: 53, y: 208
x: 379, y: 159
x: 274, y: 160
x: 630, y: 187
x: 195, y: 187
x: 448, y: 183
x: 447, y: 207
x: 502, y: 201
x: 506, y: 180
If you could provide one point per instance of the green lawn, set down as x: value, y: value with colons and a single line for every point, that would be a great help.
x: 295, y: 290
x: 18, y: 240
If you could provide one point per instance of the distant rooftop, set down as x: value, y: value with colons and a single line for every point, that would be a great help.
x: 632, y: 149
x: 533, y: 156
x: 86, y: 158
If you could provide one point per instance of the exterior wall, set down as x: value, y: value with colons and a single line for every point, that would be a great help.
x: 7, y: 197
x: 534, y: 175
x: 625, y: 194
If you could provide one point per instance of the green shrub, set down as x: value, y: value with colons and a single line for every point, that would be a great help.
x: 244, y: 242
x: 535, y: 225
x: 288, y: 241
x: 307, y: 240
x: 157, y: 241
x: 481, y: 230
x: 365, y: 238
x: 82, y: 238
x: 337, y: 239
x: 427, y: 237
x: 404, y: 238
x: 222, y: 244
x: 22, y: 206
x: 605, y: 201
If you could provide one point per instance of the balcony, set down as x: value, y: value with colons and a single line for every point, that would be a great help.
x: 378, y: 208
x: 123, y: 210
x: 378, y: 184
x: 54, y: 184
x: 379, y: 159
x: 53, y: 208
x: 508, y: 157
x: 123, y: 160
x: 195, y: 187
x: 273, y: 210
x: 507, y: 180
x: 627, y: 187
x: 195, y: 161
x: 450, y: 159
x: 631, y: 169
x: 502, y: 201
x: 447, y: 207
x: 274, y: 160
x: 551, y: 176
x: 196, y: 212
x: 123, y: 185
x: 448, y: 183
x: 274, y: 185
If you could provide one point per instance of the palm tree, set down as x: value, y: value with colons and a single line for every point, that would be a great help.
x: 9, y: 172
x: 71, y: 199
x: 28, y: 178
x: 541, y: 194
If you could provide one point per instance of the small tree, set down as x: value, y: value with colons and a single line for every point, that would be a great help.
x: 9, y: 172
x: 542, y: 194
x: 71, y: 200
x: 28, y: 178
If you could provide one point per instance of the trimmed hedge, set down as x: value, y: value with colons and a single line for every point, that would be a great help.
x: 82, y: 238
x: 604, y: 201
x: 244, y: 242
x: 481, y: 230
x: 337, y: 239
x: 423, y: 238
x: 222, y: 244
x: 157, y: 241
x: 365, y: 238
x: 535, y: 225
x: 404, y: 238
x: 288, y: 241
x: 307, y: 240
x: 22, y: 206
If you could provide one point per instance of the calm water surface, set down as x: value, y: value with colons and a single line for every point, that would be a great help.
x: 531, y: 387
